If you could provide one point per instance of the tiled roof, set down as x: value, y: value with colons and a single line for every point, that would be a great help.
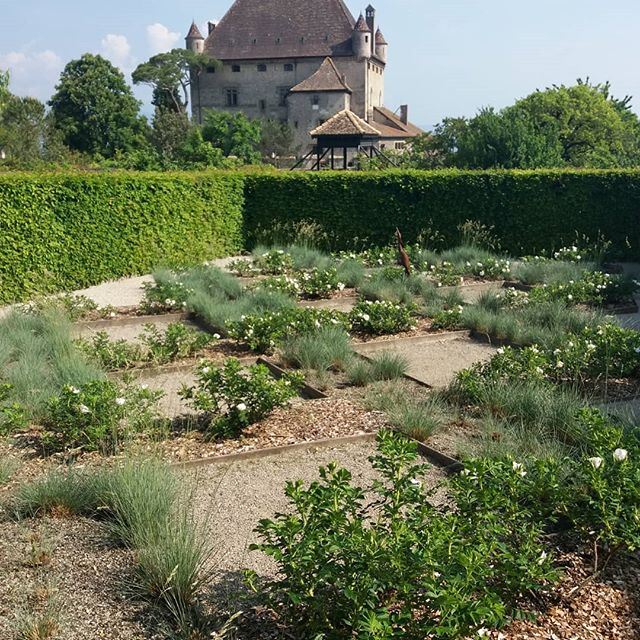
x: 362, y: 25
x: 380, y: 38
x: 194, y: 32
x: 345, y: 123
x: 326, y: 78
x: 258, y: 29
x: 391, y: 126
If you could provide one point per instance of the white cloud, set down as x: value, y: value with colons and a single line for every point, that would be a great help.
x: 161, y: 39
x: 118, y: 50
x: 33, y: 73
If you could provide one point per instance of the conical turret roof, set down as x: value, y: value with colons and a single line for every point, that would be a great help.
x: 194, y: 32
x: 380, y: 38
x: 361, y: 25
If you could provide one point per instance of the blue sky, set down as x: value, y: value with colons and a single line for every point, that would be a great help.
x: 447, y: 57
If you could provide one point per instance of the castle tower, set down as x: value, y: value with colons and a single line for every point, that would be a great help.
x: 381, y: 47
x: 362, y: 38
x: 194, y: 39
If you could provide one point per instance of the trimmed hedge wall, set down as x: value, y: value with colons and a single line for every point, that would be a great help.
x: 68, y: 231
x: 531, y: 210
x: 64, y: 232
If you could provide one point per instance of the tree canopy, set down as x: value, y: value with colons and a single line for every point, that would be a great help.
x: 577, y: 126
x: 171, y: 74
x: 95, y: 109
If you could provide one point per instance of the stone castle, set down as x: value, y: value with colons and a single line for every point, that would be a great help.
x: 300, y: 62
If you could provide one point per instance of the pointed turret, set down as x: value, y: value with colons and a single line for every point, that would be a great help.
x: 381, y: 47
x: 195, y: 39
x: 362, y: 39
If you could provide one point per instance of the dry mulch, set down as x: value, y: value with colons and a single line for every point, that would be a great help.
x: 300, y: 422
x: 605, y: 608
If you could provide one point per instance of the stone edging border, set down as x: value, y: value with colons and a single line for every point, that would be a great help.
x: 448, y: 464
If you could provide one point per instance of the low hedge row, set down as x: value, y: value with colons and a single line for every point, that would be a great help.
x: 67, y: 231
x: 530, y: 210
x: 64, y: 232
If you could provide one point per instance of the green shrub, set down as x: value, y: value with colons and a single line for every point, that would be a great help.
x: 264, y: 332
x: 358, y: 564
x: 112, y: 355
x: 234, y: 399
x: 178, y: 341
x: 380, y: 318
x: 97, y: 416
x: 594, y: 288
x: 526, y: 211
x: 69, y: 231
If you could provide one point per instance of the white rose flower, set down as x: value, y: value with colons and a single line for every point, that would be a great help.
x: 205, y: 370
x: 84, y: 409
x: 144, y: 387
x: 517, y: 466
x: 620, y: 455
x: 366, y: 317
x: 596, y: 463
x: 74, y: 390
x: 560, y: 365
x: 216, y: 336
x: 540, y: 370
x: 120, y: 402
x: 241, y: 407
x: 543, y: 556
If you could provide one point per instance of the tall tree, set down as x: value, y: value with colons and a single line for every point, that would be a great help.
x: 95, y: 109
x: 276, y: 138
x: 578, y: 126
x: 171, y: 74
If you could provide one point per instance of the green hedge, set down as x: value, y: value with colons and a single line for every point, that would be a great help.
x: 62, y: 232
x: 67, y: 231
x: 531, y: 210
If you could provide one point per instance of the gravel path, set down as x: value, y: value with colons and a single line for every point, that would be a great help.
x: 434, y: 360
x: 231, y: 499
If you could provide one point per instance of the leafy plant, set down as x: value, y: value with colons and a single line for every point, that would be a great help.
x: 274, y: 262
x: 113, y: 355
x: 97, y: 415
x: 178, y: 341
x: 233, y: 398
x: 264, y: 332
x: 352, y: 566
x: 379, y: 318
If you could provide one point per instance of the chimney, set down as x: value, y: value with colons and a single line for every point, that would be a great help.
x: 371, y: 23
x: 212, y: 26
x: 404, y: 113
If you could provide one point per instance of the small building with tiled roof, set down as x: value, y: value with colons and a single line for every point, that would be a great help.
x: 295, y: 61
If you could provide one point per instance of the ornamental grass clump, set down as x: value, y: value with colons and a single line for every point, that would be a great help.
x: 326, y: 348
x: 385, y: 562
x: 232, y: 397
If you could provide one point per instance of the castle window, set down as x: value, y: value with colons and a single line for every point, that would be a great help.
x: 399, y: 145
x: 211, y: 69
x: 316, y: 100
x: 235, y: 68
x: 255, y: 41
x: 232, y: 97
x: 366, y: 39
x: 278, y: 40
x: 283, y: 92
x: 263, y: 105
x: 288, y: 67
x: 262, y: 67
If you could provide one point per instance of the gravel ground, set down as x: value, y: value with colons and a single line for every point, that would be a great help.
x: 231, y: 499
x: 128, y: 328
x: 86, y: 576
x: 434, y: 360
